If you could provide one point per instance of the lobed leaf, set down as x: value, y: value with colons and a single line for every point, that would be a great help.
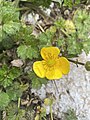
x: 4, y: 100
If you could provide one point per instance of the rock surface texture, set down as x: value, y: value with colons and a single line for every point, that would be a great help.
x: 73, y: 91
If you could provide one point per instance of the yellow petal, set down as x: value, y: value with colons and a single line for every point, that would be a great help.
x: 64, y: 65
x: 38, y: 69
x: 53, y: 74
x: 49, y: 52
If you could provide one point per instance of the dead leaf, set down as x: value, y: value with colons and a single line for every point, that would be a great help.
x: 17, y: 63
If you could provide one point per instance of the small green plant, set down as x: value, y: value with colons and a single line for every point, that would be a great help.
x: 71, y: 3
x: 70, y: 115
x: 8, y: 75
x: 41, y: 113
x: 49, y: 102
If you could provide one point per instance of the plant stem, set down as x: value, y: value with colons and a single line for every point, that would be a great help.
x: 76, y: 62
x: 56, y: 86
x: 19, y: 102
x: 51, y: 112
x: 23, y: 8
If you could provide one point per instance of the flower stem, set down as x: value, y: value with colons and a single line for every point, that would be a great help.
x: 56, y: 86
x: 51, y: 112
x: 76, y: 62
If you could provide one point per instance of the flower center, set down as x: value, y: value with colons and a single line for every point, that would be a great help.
x: 50, y: 63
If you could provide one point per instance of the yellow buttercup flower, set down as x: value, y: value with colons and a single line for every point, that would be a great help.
x: 52, y: 66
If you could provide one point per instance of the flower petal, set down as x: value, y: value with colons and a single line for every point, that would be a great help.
x: 53, y: 74
x: 38, y: 69
x: 64, y: 65
x: 49, y: 52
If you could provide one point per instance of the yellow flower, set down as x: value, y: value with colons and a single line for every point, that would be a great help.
x: 52, y: 66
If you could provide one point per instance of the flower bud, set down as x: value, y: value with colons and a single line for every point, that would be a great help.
x: 69, y: 27
x: 87, y: 65
x: 47, y: 101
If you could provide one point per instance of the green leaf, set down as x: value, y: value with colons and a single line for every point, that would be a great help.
x: 60, y: 23
x: 21, y: 114
x: 36, y: 81
x: 80, y: 16
x: 44, y: 3
x: 86, y: 46
x: 8, y: 75
x: 43, y: 38
x: 11, y: 27
x: 1, y: 4
x: 7, y: 42
x: 9, y: 12
x: 32, y: 53
x: 70, y: 115
x: 9, y: 20
x: 71, y: 3
x: 4, y: 100
x: 12, y: 110
x: 14, y: 72
x: 13, y: 113
x: 16, y: 90
x: 3, y: 71
x: 74, y: 45
x: 24, y: 33
x: 25, y: 52
x: 1, y: 33
x: 21, y: 50
x: 82, y: 23
x: 46, y: 38
x: 60, y: 42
